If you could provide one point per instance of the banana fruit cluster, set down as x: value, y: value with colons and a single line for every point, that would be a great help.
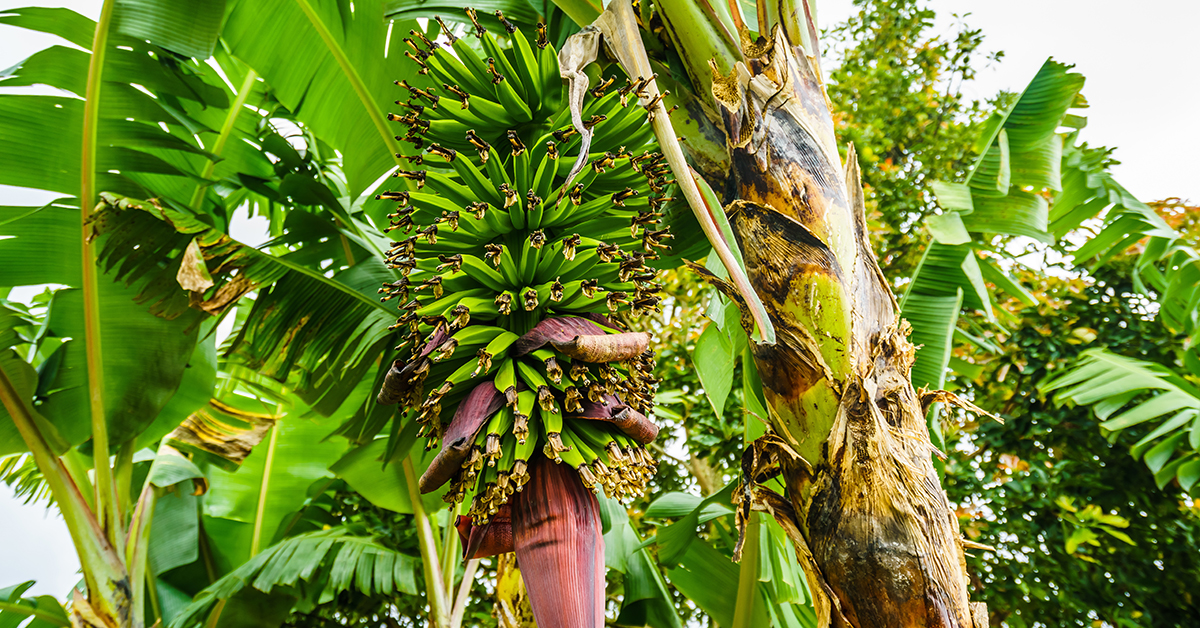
x: 518, y: 268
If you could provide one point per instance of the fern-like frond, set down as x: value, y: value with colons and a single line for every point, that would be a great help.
x: 325, y: 562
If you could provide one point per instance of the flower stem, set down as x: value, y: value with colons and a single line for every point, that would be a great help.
x: 438, y: 610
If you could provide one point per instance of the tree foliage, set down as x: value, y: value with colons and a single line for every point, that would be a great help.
x: 896, y: 88
x: 1018, y: 483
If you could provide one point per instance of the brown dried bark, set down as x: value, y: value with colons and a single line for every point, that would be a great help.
x: 880, y: 537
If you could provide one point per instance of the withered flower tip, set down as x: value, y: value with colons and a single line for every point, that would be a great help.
x: 537, y: 239
x: 508, y: 26
x: 479, y: 30
x: 492, y: 252
x: 515, y: 140
x: 530, y: 298
x: 497, y: 78
x: 569, y: 245
x: 504, y: 302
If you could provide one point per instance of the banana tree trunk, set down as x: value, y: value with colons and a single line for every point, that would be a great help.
x: 883, y: 537
x: 884, y: 540
x: 876, y: 535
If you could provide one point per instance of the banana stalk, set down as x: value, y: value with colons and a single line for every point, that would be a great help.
x: 524, y: 234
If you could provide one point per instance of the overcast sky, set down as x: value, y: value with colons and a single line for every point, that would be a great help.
x: 1141, y: 67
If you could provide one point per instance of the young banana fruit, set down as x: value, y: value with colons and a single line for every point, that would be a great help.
x: 518, y: 282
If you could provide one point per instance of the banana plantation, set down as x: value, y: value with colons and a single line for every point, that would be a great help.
x: 570, y: 313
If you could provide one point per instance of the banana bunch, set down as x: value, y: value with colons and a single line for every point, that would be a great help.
x: 520, y: 258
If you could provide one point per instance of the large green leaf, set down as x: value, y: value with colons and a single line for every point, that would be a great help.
x: 44, y: 609
x: 153, y: 106
x: 186, y: 28
x: 710, y: 580
x: 715, y: 356
x: 175, y: 530
x: 674, y: 540
x: 322, y: 331
x: 43, y: 134
x: 144, y: 359
x: 65, y: 23
x: 933, y: 319
x: 145, y: 356
x: 367, y: 470
x: 271, y: 484
x: 646, y: 600
x: 1126, y: 393
x: 1037, y: 113
x: 195, y: 390
x: 1018, y: 213
x: 521, y: 12
x: 945, y: 270
x: 1167, y: 269
x: 1020, y: 161
x: 326, y: 62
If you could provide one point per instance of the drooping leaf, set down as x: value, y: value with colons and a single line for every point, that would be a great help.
x: 1020, y: 159
x: 323, y: 331
x: 255, y: 503
x: 146, y: 356
x: 1125, y: 393
x: 44, y: 609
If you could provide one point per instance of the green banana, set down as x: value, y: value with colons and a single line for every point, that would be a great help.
x: 496, y: 242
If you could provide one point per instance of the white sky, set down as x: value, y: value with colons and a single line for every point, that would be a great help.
x: 1142, y: 70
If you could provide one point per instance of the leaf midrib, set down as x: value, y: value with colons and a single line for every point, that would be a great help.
x: 351, y: 74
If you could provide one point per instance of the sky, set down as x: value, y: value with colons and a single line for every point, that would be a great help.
x: 1141, y: 68
x: 1143, y: 74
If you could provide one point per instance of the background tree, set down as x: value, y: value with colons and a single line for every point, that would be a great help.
x: 1025, y: 487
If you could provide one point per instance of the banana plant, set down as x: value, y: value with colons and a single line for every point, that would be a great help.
x: 1019, y: 158
x: 1080, y: 210
x: 92, y: 397
x: 530, y: 229
x: 113, y: 362
x: 1125, y: 393
x: 848, y: 431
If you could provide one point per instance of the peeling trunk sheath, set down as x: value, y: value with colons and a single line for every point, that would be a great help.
x: 883, y: 536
